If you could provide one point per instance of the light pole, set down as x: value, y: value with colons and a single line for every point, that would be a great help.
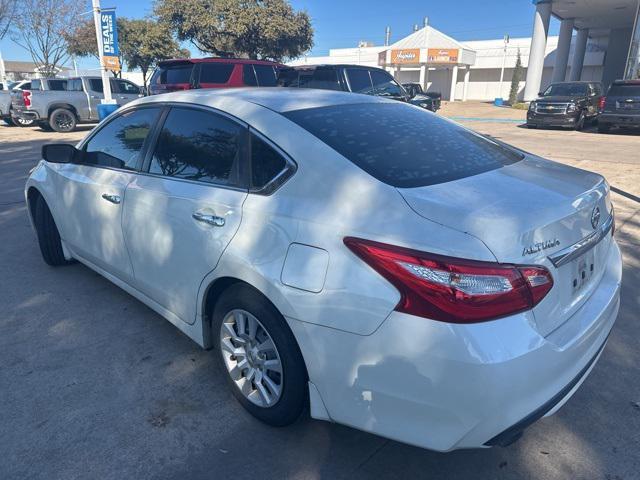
x: 504, y: 60
x: 3, y: 73
x: 106, y: 86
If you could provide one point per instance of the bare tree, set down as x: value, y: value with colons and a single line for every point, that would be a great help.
x: 40, y: 26
x: 7, y: 14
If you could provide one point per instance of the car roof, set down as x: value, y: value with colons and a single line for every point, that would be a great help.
x: 332, y: 65
x: 277, y: 99
x: 177, y: 61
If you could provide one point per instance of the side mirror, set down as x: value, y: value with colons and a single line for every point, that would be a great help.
x: 59, y: 153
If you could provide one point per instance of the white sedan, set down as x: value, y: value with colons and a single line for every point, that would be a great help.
x: 382, y: 266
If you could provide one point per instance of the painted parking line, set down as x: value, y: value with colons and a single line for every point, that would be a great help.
x: 487, y: 120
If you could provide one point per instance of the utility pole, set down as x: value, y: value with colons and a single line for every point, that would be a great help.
x: 106, y: 86
x: 3, y: 72
x: 504, y: 60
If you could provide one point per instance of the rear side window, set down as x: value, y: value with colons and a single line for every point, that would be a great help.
x: 266, y: 75
x: 322, y: 78
x: 215, y: 72
x: 170, y: 74
x: 402, y: 145
x: 288, y: 77
x: 198, y: 145
x: 58, y: 85
x: 629, y: 90
x: 119, y: 143
x: 266, y: 163
x: 359, y: 80
x: 249, y: 76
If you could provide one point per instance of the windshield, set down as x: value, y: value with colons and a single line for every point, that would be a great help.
x: 566, y: 90
x: 402, y: 145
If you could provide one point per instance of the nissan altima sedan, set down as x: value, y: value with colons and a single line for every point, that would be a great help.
x: 367, y: 259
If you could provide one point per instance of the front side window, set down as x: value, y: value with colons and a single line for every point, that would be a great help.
x: 360, y: 81
x: 384, y: 84
x: 95, y: 84
x: 215, y: 72
x: 401, y: 145
x: 127, y: 87
x: 266, y: 162
x: 118, y: 144
x: 198, y: 145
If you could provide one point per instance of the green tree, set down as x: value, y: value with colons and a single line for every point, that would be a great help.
x: 515, y: 80
x: 259, y: 29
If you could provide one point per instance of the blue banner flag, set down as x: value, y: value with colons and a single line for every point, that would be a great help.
x: 109, y: 33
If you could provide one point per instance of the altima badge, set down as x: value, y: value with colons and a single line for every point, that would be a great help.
x: 595, y: 217
x: 538, y: 247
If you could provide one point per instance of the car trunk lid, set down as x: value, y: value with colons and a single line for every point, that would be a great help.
x: 525, y: 213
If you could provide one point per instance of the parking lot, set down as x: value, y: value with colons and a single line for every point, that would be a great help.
x: 93, y: 384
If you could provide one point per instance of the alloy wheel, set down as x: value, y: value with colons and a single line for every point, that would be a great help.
x: 251, y: 358
x: 64, y: 121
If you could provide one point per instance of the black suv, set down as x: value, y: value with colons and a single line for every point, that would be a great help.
x: 565, y: 104
x: 621, y: 106
x: 428, y: 100
x: 348, y: 78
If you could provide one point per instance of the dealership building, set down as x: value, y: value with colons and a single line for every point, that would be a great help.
x: 598, y: 40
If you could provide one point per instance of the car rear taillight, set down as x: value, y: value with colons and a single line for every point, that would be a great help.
x: 601, y: 103
x: 452, y: 289
x: 26, y: 97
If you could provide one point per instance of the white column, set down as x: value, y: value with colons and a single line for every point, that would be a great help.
x: 465, y: 88
x: 578, y: 54
x: 423, y: 77
x: 537, y: 51
x: 562, y: 52
x: 454, y: 80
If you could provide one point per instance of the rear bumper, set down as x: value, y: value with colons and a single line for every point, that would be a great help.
x: 619, y: 120
x: 551, y: 120
x: 448, y: 386
x: 26, y: 114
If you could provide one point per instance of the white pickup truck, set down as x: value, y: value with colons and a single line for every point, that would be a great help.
x: 62, y: 110
x: 6, y: 113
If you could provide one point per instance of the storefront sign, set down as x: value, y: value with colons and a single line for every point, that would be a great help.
x: 442, y: 55
x: 109, y: 33
x: 407, y: 55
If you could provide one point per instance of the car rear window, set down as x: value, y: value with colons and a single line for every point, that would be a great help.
x: 215, y: 72
x: 402, y: 145
x: 630, y: 90
x: 171, y: 74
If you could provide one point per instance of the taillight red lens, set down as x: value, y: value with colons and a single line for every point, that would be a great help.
x: 452, y: 289
x: 601, y: 102
x: 26, y: 96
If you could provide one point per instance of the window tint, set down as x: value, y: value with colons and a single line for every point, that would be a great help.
x: 58, y: 85
x: 215, y: 72
x: 566, y: 89
x: 266, y: 163
x: 127, y: 87
x: 197, y: 145
x: 359, y: 80
x: 401, y: 145
x: 249, y: 76
x: 36, y: 85
x: 629, y: 90
x: 323, y: 78
x: 175, y: 74
x: 95, y: 84
x: 266, y: 75
x: 74, y: 85
x: 384, y: 84
x: 288, y: 77
x: 119, y: 142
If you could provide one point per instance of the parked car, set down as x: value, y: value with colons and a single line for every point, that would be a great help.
x: 429, y: 100
x: 441, y: 289
x: 565, y: 104
x: 348, y: 78
x: 621, y: 106
x: 187, y: 74
x: 62, y: 109
x: 6, y: 112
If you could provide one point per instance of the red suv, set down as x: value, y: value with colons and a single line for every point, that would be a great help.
x: 172, y: 75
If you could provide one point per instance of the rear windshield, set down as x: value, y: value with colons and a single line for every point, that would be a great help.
x: 170, y: 74
x: 631, y: 90
x: 402, y: 145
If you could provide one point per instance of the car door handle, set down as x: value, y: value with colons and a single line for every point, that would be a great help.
x: 208, y: 219
x: 111, y: 198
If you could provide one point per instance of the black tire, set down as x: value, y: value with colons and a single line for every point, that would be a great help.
x: 63, y: 120
x: 603, y: 128
x: 293, y: 399
x: 45, y: 127
x: 48, y: 236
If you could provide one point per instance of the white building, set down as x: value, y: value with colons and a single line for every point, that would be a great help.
x: 606, y: 46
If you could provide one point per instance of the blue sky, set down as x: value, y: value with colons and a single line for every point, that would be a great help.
x: 343, y: 23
